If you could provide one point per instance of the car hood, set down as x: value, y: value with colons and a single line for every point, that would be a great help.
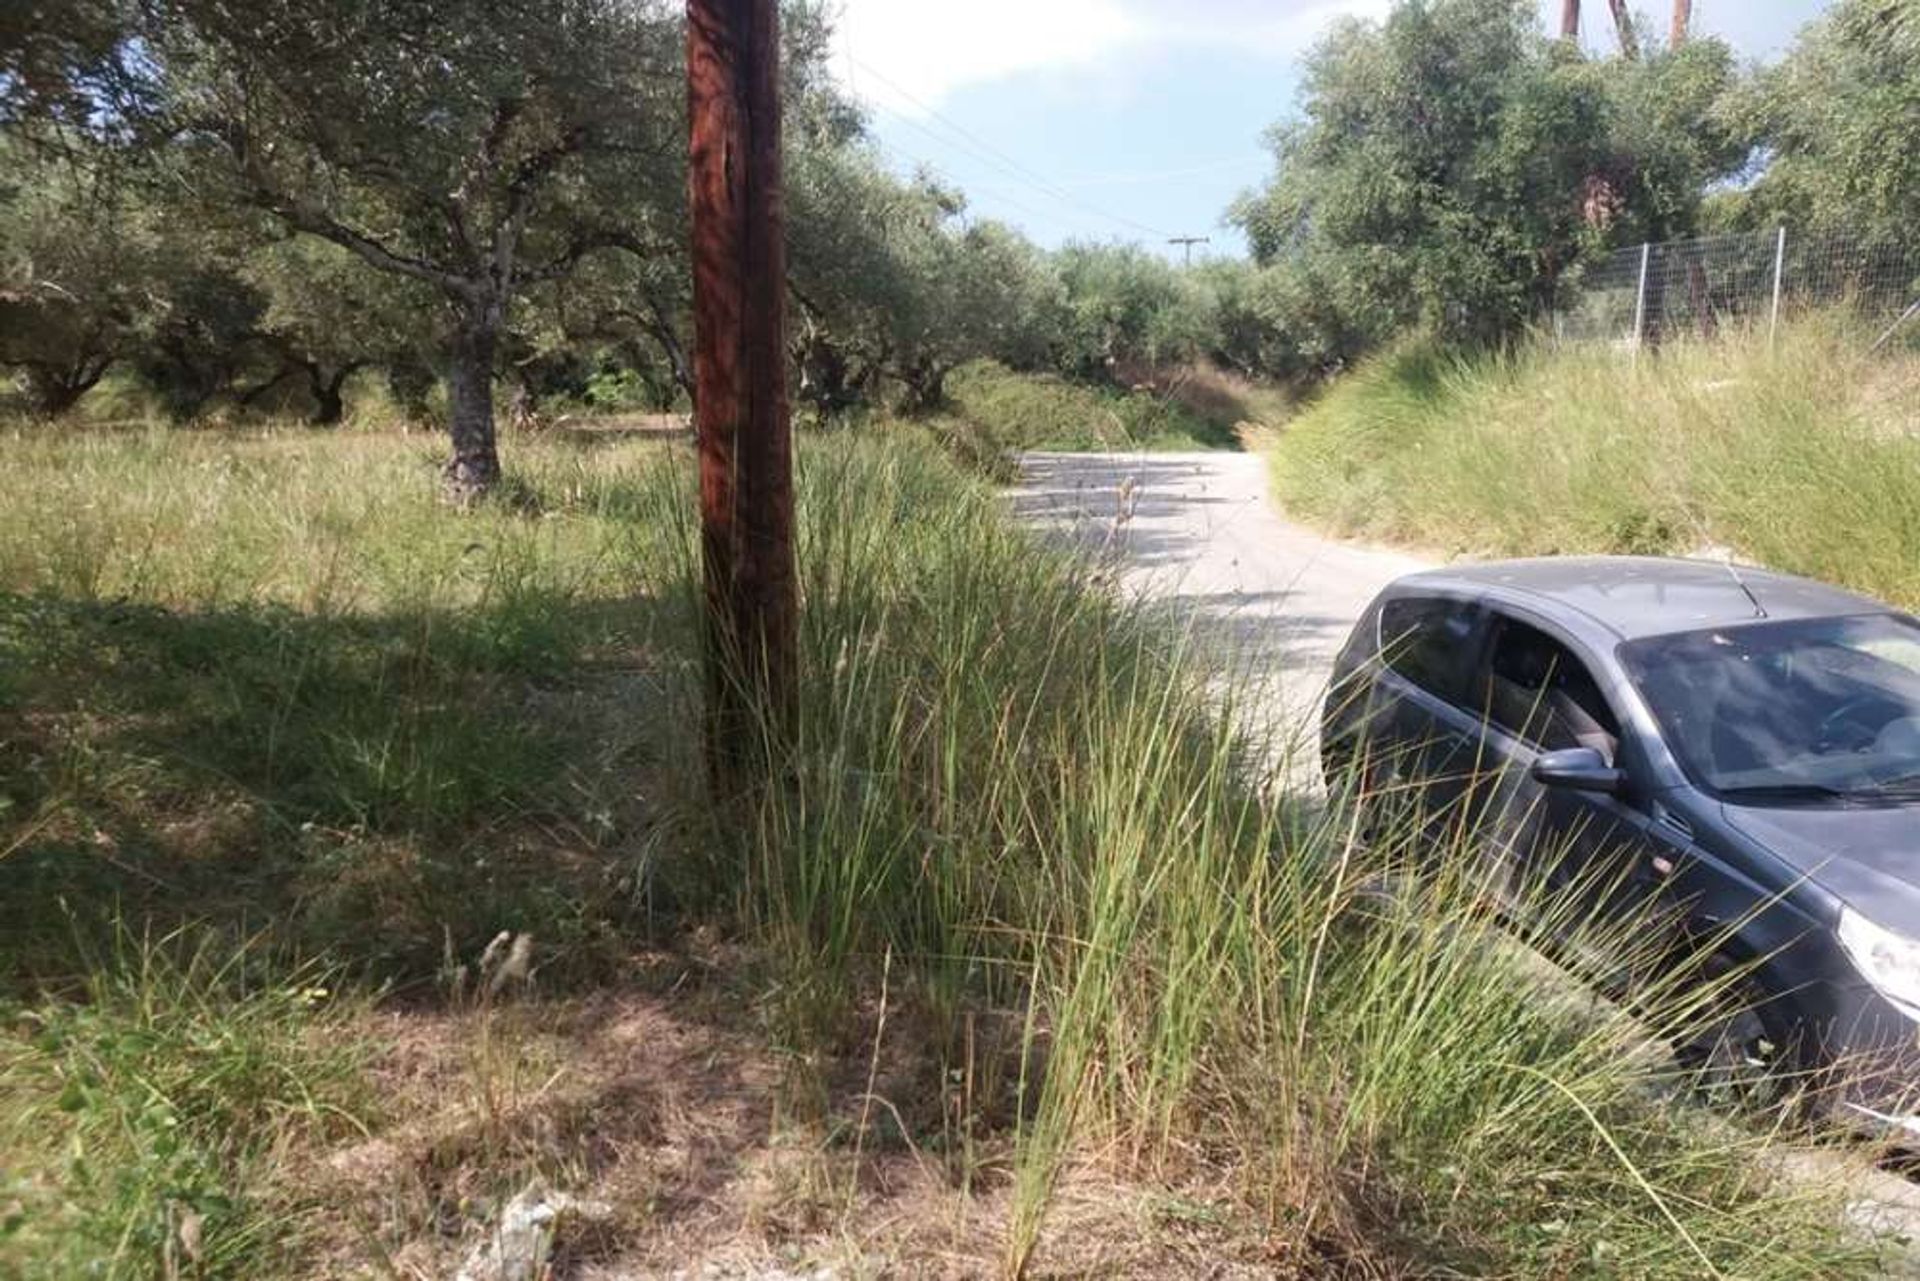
x: 1870, y: 857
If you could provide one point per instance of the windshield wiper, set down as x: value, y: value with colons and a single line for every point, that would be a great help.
x: 1786, y: 792
x: 1899, y: 785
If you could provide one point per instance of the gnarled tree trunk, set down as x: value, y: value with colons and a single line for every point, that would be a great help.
x: 55, y: 389
x: 329, y: 402
x: 474, y: 468
x: 329, y: 391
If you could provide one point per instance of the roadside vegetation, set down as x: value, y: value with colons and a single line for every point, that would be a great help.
x: 993, y: 413
x: 1799, y: 454
x: 361, y: 887
x: 356, y: 881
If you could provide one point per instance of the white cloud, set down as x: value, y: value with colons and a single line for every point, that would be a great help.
x: 928, y: 48
x: 894, y: 51
x: 1284, y: 30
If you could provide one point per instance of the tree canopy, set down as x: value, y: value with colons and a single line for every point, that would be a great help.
x: 249, y: 204
x: 1839, y: 118
x: 1451, y: 164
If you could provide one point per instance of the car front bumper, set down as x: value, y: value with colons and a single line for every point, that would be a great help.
x: 1872, y: 1055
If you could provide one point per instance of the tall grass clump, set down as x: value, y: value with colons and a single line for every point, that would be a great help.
x: 1011, y: 795
x: 146, y: 1120
x: 1800, y: 454
x: 993, y: 412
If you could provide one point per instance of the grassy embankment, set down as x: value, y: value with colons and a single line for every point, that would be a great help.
x: 1018, y: 966
x: 1803, y: 457
x: 993, y: 412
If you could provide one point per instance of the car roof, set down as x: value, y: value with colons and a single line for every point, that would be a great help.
x: 1638, y: 596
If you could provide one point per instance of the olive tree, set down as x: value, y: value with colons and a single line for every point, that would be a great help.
x: 74, y: 280
x: 1451, y: 166
x: 1839, y: 120
x: 327, y: 317
x: 476, y: 148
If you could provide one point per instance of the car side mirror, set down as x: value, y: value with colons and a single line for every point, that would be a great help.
x: 1579, y: 769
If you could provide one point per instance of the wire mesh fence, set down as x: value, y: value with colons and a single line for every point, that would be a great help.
x: 1694, y: 288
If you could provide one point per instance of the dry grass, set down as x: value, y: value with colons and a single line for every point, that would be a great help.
x: 1019, y: 967
x: 661, y: 1103
x: 1801, y: 456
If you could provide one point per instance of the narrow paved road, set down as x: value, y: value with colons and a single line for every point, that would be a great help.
x: 1198, y: 532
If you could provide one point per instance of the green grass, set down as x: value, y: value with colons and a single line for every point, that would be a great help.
x: 1010, y: 791
x: 140, y: 1124
x: 263, y: 684
x: 1802, y: 457
x: 266, y: 677
x: 994, y: 412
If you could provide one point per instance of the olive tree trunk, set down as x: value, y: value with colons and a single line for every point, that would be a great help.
x: 474, y: 468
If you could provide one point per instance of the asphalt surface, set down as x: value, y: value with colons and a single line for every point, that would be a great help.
x: 1199, y: 535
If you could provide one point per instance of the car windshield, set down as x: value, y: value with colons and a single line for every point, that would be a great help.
x: 1822, y: 711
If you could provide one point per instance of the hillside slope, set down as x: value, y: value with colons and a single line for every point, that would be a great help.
x: 1802, y: 456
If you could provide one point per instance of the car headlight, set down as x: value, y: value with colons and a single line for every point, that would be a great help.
x: 1889, y: 961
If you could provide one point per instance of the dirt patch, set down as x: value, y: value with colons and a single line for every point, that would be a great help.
x: 665, y: 1105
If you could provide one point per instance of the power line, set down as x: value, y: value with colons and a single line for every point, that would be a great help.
x: 1156, y: 175
x: 990, y: 155
x: 918, y: 162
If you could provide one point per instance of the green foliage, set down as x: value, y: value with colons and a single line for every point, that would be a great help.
x: 995, y: 412
x: 1452, y: 166
x: 1129, y: 311
x: 1837, y: 118
x: 326, y: 317
x: 1798, y: 456
x: 893, y: 286
x: 200, y: 335
x: 77, y: 271
x: 140, y: 1120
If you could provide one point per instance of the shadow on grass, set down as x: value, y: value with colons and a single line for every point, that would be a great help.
x: 383, y: 788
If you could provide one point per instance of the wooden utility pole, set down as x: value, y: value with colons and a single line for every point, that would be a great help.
x: 739, y: 370
x: 1682, y: 19
x: 1187, y: 243
x: 1569, y: 19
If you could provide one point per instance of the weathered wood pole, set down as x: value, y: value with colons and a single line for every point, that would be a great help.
x: 1569, y: 19
x: 1682, y: 19
x: 739, y: 372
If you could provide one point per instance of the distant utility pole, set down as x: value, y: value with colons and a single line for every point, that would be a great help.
x: 740, y: 392
x: 1682, y: 19
x: 1187, y: 243
x: 1569, y: 19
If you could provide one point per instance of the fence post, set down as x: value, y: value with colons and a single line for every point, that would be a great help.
x: 1640, y: 301
x: 1779, y: 268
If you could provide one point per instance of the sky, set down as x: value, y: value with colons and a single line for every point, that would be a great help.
x: 1134, y: 120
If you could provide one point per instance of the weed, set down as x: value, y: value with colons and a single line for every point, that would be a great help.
x: 144, y: 1118
x: 1025, y: 893
x: 1799, y: 455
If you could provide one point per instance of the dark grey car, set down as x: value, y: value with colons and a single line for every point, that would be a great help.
x: 1739, y: 746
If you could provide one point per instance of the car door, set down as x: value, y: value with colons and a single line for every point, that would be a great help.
x: 1590, y: 852
x: 1421, y: 739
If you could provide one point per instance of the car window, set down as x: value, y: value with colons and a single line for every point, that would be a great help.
x: 1425, y: 640
x: 1536, y: 689
x: 1809, y: 711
